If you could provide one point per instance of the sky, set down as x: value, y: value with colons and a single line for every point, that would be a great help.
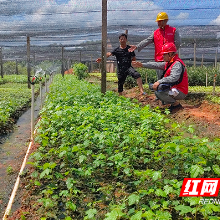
x: 22, y: 17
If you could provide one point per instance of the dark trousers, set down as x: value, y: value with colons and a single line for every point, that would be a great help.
x: 123, y: 75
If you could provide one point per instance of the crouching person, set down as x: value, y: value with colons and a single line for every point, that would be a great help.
x: 173, y: 86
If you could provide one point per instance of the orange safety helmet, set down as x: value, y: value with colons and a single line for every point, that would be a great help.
x: 168, y: 48
x: 162, y: 16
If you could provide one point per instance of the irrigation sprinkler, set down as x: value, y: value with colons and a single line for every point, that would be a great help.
x: 52, y: 76
x: 50, y: 71
x: 50, y: 79
x: 33, y: 79
x: 39, y: 74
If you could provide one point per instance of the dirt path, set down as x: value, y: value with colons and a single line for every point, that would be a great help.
x: 203, y: 115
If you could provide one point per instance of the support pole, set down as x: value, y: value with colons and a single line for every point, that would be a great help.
x: 41, y: 98
x: 2, y: 73
x: 91, y: 65
x: 62, y: 68
x: 16, y: 68
x: 45, y: 83
x: 216, y: 54
x: 126, y: 32
x: 194, y: 52
x: 80, y: 56
x: 34, y: 62
x: 28, y: 61
x: 32, y: 111
x: 206, y: 79
x: 202, y: 61
x: 104, y: 46
x: 213, y: 92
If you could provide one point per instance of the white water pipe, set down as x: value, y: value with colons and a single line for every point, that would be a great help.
x: 8, y: 209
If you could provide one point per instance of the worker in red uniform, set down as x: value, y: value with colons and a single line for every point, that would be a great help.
x: 164, y: 34
x: 173, y: 86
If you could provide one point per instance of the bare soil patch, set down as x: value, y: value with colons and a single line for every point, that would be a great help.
x: 203, y: 115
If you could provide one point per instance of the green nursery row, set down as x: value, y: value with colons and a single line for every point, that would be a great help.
x: 14, y: 97
x: 198, y: 76
x: 105, y: 157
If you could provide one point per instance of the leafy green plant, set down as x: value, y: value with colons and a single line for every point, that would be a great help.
x: 110, y: 77
x: 203, y: 89
x: 14, y: 96
x: 10, y: 68
x: 10, y: 170
x: 81, y: 70
x: 197, y: 76
x: 146, y: 74
x: 203, y: 92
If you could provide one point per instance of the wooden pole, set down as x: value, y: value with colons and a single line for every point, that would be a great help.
x: 16, y: 68
x: 202, y: 61
x: 206, y: 79
x: 34, y: 63
x: 2, y: 72
x: 194, y: 52
x: 28, y: 61
x: 213, y: 92
x: 68, y: 64
x: 62, y: 67
x: 41, y: 97
x: 216, y: 54
x: 91, y: 65
x: 45, y: 83
x: 104, y: 46
x: 126, y: 32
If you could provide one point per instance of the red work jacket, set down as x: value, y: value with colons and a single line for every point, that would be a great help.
x: 162, y: 36
x: 183, y: 86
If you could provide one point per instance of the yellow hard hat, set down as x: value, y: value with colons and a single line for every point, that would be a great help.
x: 162, y: 16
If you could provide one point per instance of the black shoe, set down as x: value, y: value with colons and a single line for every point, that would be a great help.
x: 175, y: 108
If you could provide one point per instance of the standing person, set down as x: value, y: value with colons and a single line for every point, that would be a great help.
x: 159, y: 37
x: 173, y: 85
x: 124, y: 68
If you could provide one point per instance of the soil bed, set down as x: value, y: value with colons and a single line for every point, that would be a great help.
x: 203, y: 115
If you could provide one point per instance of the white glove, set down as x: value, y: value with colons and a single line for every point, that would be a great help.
x: 174, y: 92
